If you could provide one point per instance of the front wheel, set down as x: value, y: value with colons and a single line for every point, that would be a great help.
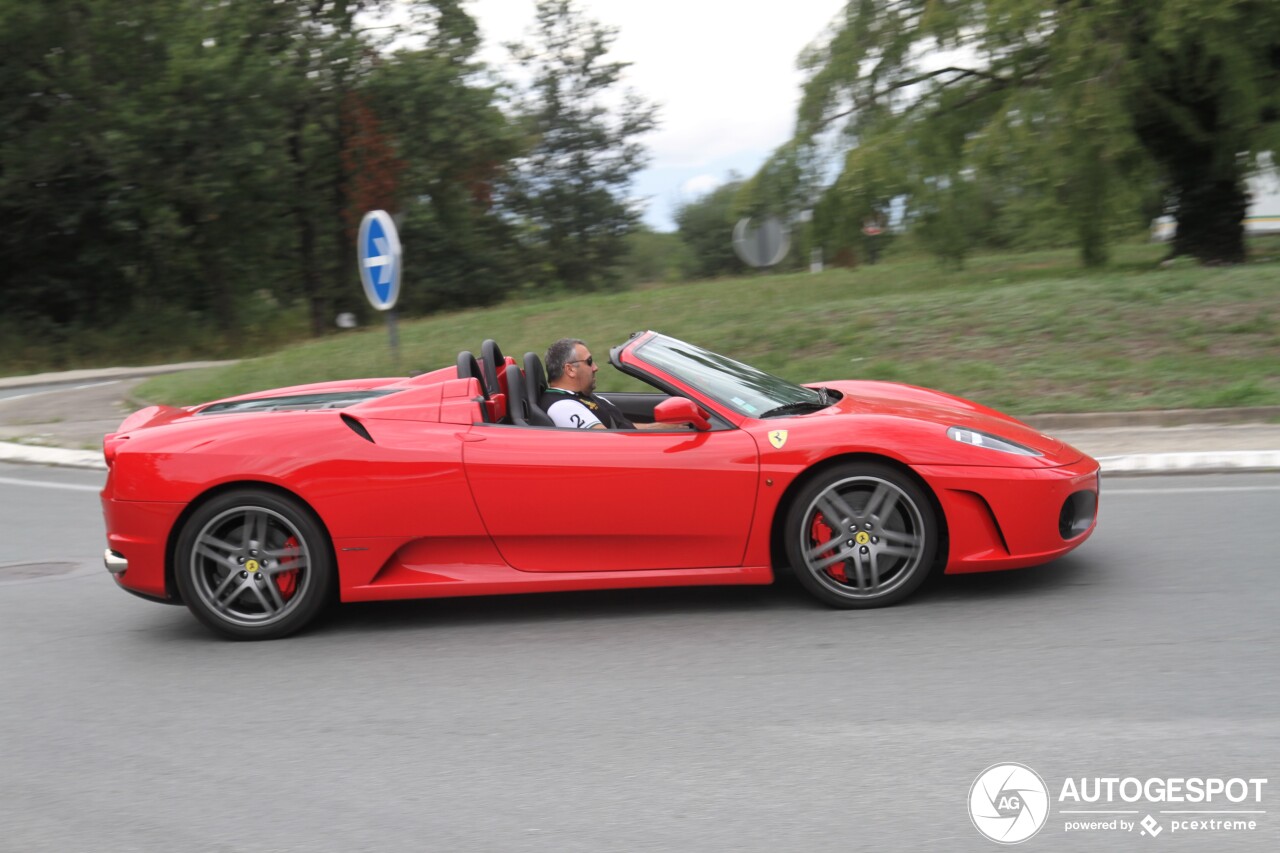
x: 253, y: 565
x: 861, y: 535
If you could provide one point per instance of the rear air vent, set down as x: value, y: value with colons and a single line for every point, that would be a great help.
x: 357, y: 427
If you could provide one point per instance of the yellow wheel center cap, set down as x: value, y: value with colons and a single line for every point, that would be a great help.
x: 862, y: 538
x: 251, y: 566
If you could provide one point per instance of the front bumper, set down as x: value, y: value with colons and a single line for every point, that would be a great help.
x: 1011, y: 518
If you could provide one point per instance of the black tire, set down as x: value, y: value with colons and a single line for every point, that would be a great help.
x: 253, y: 565
x: 883, y: 547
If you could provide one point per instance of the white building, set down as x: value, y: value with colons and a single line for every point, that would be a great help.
x: 1262, y: 217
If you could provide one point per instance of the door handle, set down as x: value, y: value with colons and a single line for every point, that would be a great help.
x: 469, y: 436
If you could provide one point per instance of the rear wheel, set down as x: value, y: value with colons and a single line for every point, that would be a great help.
x: 861, y: 535
x: 253, y: 565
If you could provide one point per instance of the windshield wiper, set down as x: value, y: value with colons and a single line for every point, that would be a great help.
x: 795, y: 408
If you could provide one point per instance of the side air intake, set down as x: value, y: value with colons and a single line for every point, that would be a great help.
x: 357, y: 427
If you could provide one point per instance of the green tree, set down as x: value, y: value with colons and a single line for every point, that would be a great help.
x: 195, y: 168
x: 1083, y: 100
x: 569, y: 191
x: 414, y: 131
x: 136, y: 142
x: 455, y: 143
x: 654, y: 256
x: 324, y: 56
x: 705, y: 225
x: 860, y: 193
x: 56, y: 244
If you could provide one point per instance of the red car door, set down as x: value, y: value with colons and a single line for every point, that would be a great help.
x: 557, y: 500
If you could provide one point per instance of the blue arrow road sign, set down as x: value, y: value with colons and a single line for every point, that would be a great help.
x: 379, y: 256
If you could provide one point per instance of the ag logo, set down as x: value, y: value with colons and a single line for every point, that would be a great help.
x: 1009, y: 803
x: 777, y: 438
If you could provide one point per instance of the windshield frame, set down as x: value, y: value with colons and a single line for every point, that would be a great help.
x: 733, y: 388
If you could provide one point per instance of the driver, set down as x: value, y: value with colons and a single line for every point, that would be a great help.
x: 570, y: 399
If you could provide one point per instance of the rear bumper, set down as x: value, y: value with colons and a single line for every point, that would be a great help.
x: 118, y: 565
x: 1011, y: 518
x: 137, y: 545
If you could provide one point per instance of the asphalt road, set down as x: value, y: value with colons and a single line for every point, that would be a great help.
x: 682, y: 720
x: 68, y: 414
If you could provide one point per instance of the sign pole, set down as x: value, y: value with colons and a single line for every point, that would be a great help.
x: 393, y: 337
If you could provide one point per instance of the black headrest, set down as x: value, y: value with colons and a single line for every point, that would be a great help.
x: 468, y: 368
x: 534, y: 376
x: 517, y: 408
x: 516, y: 381
x: 491, y: 361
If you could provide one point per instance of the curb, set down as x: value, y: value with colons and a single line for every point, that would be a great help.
x: 59, y: 456
x: 1153, y: 418
x: 1203, y: 462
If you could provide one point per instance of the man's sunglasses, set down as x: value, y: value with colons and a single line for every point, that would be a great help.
x: 590, y: 361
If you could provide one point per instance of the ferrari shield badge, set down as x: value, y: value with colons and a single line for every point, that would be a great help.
x: 778, y: 437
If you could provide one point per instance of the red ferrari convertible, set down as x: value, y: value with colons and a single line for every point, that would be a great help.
x: 258, y: 511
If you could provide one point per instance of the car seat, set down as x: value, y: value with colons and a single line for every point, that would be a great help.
x: 494, y: 366
x: 469, y: 368
x: 517, y: 403
x: 535, y: 383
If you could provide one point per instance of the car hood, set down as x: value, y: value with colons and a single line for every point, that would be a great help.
x: 865, y: 397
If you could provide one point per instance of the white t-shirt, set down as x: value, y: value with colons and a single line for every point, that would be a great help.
x: 571, y: 414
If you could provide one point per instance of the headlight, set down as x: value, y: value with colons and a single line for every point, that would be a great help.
x: 991, y: 442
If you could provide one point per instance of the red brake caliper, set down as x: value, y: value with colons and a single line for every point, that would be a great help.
x: 819, y: 533
x: 287, y: 580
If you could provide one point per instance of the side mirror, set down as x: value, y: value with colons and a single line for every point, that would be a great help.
x: 682, y: 410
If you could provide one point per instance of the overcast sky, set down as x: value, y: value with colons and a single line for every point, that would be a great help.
x: 723, y: 73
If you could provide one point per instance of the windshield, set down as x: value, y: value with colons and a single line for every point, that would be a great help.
x: 739, y: 386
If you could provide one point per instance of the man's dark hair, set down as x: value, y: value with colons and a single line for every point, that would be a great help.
x: 558, y: 355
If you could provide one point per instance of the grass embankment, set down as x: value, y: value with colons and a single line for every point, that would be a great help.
x: 1027, y: 333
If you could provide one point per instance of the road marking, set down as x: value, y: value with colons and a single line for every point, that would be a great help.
x: 72, y: 487
x: 22, y: 396
x: 58, y: 390
x: 1109, y: 493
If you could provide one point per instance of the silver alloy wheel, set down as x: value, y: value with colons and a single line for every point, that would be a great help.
x: 251, y: 566
x: 875, y: 542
